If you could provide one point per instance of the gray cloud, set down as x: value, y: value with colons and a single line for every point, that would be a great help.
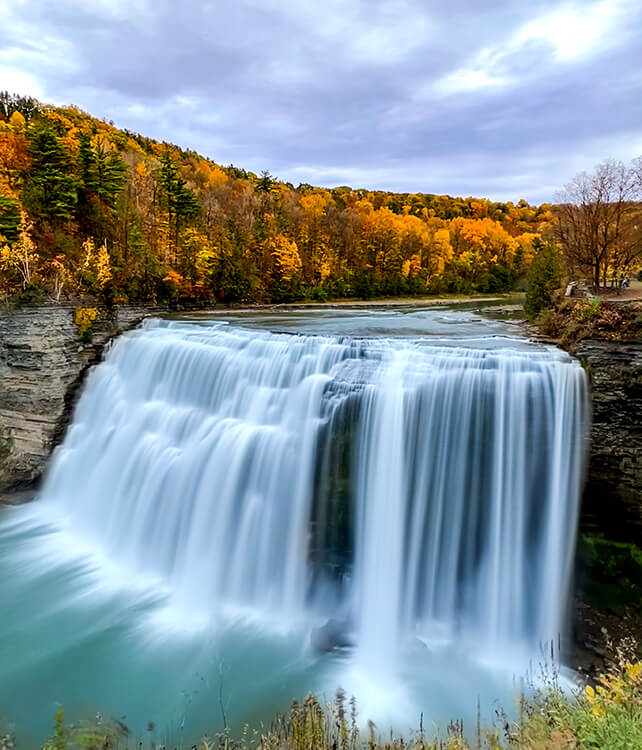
x: 507, y: 100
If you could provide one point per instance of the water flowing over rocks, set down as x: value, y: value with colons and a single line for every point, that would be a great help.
x: 385, y: 499
x: 42, y: 365
x: 465, y: 469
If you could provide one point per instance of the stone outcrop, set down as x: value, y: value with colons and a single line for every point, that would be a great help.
x: 613, y: 495
x: 42, y: 365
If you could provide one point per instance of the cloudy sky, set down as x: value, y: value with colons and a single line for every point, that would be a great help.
x: 497, y: 98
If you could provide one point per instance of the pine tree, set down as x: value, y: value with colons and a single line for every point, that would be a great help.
x: 9, y: 218
x: 110, y: 174
x: 179, y: 201
x: 50, y: 187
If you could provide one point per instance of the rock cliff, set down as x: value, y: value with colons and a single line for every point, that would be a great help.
x: 42, y: 364
x: 613, y: 495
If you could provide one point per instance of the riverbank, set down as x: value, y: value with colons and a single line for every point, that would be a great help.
x: 607, y: 716
x: 394, y: 302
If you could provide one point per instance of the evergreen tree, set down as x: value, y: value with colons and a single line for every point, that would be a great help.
x: 544, y: 277
x: 9, y: 218
x: 179, y: 201
x: 50, y: 188
x: 102, y: 177
x: 110, y: 174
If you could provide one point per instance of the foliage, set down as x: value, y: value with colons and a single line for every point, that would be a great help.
x: 97, y: 735
x: 19, y: 259
x: 606, y: 715
x: 84, y: 318
x: 572, y: 320
x: 613, y: 570
x: 153, y: 213
x: 543, y: 279
x: 600, y: 222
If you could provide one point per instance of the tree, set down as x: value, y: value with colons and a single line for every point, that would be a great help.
x: 21, y: 256
x: 50, y: 188
x: 9, y: 218
x: 27, y: 106
x: 544, y: 277
x: 96, y: 269
x: 179, y: 201
x: 598, y: 220
x: 101, y: 178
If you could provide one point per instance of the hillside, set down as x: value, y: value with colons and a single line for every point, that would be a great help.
x: 89, y: 210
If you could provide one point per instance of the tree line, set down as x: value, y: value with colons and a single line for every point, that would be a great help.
x: 87, y: 209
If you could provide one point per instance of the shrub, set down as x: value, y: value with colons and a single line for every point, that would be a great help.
x: 84, y: 318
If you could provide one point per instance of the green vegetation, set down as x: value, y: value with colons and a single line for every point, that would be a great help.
x: 543, y: 279
x: 604, y: 716
x: 612, y: 571
x: 91, y: 211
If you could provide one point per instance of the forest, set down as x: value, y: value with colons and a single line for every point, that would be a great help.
x: 89, y: 210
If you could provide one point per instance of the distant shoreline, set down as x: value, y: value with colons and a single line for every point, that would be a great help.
x: 355, y: 304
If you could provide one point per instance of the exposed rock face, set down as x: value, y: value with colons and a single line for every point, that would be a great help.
x: 42, y: 365
x: 613, y: 495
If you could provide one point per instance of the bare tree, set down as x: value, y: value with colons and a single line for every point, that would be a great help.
x: 599, y: 220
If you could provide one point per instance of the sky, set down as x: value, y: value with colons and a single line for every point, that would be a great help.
x: 504, y: 99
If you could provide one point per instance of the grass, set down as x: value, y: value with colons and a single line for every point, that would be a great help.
x: 604, y: 716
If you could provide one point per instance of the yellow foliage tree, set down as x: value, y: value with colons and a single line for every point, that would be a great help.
x: 96, y: 265
x: 287, y: 261
x: 22, y: 256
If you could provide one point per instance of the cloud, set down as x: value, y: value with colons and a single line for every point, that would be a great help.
x: 565, y: 34
x: 505, y: 99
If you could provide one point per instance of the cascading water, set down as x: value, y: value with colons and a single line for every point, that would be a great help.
x: 412, y: 491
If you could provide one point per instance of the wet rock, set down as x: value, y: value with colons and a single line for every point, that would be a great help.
x: 330, y: 636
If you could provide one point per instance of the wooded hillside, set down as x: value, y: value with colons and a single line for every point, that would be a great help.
x: 87, y: 209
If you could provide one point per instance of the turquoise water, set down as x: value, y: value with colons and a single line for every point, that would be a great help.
x: 141, y: 586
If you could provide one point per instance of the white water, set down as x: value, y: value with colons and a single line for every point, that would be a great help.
x: 408, y: 489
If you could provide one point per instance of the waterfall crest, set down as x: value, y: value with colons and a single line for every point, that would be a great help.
x: 413, y: 489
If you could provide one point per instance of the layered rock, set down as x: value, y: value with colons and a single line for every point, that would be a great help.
x: 613, y: 495
x: 42, y: 364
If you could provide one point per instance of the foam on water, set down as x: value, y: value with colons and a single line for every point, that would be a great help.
x: 220, y: 481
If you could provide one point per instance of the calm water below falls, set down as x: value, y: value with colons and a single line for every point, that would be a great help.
x: 238, y: 516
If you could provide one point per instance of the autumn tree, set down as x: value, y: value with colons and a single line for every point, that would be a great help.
x: 27, y: 106
x: 167, y: 225
x: 598, y: 220
x: 21, y: 257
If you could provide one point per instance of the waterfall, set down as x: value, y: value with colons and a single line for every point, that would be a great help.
x: 410, y: 489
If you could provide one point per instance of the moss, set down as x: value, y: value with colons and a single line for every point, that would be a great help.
x: 612, y: 570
